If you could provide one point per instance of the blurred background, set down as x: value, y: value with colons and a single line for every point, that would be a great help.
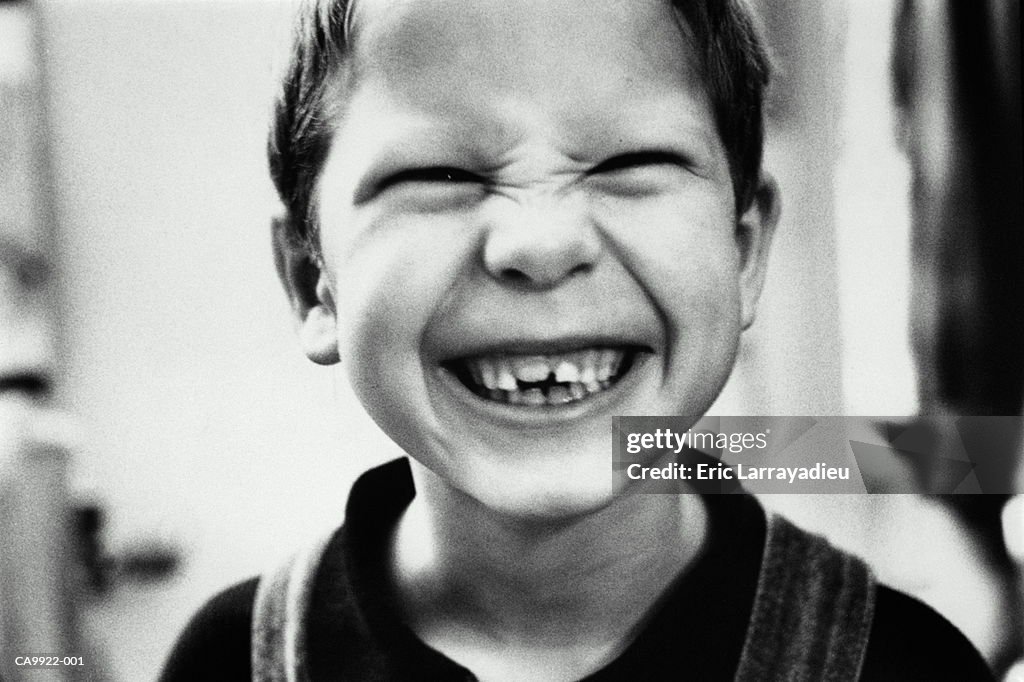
x: 187, y: 443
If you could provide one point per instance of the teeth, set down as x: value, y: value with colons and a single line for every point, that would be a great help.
x: 506, y: 380
x: 564, y: 378
x: 567, y: 372
x: 617, y: 363
x: 577, y: 391
x: 558, y: 395
x: 474, y: 371
x: 588, y: 370
x: 488, y: 373
x: 531, y: 369
x: 533, y: 396
x: 605, y: 358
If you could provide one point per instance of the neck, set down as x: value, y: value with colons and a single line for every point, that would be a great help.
x: 460, y: 567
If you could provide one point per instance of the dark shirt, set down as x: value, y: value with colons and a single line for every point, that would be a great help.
x: 696, y: 630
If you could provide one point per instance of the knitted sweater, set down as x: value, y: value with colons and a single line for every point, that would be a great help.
x: 763, y: 601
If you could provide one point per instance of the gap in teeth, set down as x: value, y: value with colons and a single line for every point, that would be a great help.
x: 544, y: 379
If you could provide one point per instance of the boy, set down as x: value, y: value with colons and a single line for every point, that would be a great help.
x: 511, y: 221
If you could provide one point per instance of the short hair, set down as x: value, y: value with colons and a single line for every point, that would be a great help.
x: 733, y: 58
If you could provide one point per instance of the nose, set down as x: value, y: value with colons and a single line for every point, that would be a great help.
x: 541, y: 243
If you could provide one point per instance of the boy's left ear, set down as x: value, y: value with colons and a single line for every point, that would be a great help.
x: 754, y: 232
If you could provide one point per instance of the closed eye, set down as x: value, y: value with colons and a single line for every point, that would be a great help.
x: 431, y: 174
x: 638, y: 160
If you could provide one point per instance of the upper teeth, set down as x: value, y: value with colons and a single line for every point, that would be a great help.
x: 503, y: 372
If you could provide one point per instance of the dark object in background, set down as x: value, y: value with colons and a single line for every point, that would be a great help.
x: 968, y: 227
x: 957, y: 82
x: 146, y: 560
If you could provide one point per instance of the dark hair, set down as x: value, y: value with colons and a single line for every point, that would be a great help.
x: 735, y: 64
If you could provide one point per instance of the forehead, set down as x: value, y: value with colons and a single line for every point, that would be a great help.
x: 570, y: 61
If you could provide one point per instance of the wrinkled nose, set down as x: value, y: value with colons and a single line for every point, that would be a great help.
x: 542, y: 243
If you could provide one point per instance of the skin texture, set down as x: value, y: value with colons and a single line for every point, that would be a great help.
x: 496, y: 188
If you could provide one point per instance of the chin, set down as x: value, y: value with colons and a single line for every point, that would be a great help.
x: 556, y: 507
x: 550, y: 491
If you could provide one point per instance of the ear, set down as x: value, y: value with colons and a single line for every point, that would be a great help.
x: 754, y: 232
x: 309, y: 293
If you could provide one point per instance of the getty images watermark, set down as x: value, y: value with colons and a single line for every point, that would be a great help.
x: 815, y: 454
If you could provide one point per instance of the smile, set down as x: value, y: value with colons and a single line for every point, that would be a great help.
x: 538, y: 380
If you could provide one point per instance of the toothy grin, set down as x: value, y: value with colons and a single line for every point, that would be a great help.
x: 536, y: 380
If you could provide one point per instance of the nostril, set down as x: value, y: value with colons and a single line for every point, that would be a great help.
x: 542, y: 279
x: 515, y: 276
x: 529, y: 257
x: 582, y: 269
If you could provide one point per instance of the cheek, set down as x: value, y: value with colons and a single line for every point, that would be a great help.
x: 683, y: 253
x: 687, y: 261
x: 389, y: 281
x: 383, y: 296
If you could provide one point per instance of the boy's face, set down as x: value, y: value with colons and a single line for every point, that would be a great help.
x: 527, y: 226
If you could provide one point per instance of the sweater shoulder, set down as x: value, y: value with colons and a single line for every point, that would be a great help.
x: 911, y: 641
x: 216, y: 644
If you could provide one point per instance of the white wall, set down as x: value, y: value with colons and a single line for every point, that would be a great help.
x: 208, y: 427
x: 873, y: 225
